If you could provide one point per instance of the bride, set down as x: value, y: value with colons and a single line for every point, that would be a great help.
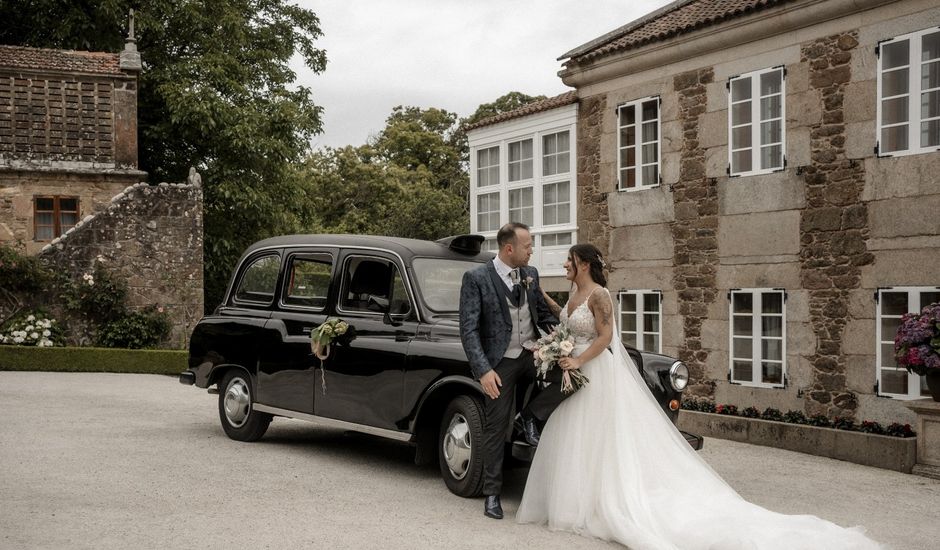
x: 610, y: 464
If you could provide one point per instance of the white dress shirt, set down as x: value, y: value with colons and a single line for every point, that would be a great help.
x: 504, y: 272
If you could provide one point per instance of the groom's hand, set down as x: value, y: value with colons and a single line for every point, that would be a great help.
x: 491, y: 383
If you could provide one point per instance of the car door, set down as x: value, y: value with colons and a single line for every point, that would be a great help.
x: 361, y: 381
x: 287, y: 368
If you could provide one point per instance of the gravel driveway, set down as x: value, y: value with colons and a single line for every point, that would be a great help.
x: 139, y: 461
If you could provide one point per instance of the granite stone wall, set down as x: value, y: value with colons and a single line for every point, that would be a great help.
x: 151, y: 236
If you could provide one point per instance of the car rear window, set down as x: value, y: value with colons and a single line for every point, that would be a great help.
x: 259, y: 280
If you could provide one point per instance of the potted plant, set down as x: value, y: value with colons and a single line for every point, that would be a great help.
x: 917, y: 346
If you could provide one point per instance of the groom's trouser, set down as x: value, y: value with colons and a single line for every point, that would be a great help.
x: 498, y: 414
x: 548, y: 398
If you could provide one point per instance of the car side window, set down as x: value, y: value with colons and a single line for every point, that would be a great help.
x: 372, y: 283
x: 307, y: 280
x: 259, y: 280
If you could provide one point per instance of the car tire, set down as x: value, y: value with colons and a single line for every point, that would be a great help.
x: 236, y: 408
x: 459, y: 446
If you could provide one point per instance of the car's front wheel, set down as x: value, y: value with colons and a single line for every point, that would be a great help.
x: 236, y: 408
x: 460, y: 443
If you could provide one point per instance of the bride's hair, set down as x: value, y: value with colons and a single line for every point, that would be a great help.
x: 589, y: 253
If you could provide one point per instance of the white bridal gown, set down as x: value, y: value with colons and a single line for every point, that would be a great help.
x: 610, y: 464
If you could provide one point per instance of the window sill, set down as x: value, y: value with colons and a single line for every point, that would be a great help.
x: 638, y: 188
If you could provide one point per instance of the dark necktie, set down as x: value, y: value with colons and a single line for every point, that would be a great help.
x: 517, y: 294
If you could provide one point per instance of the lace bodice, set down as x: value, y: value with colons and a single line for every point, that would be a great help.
x: 581, y: 322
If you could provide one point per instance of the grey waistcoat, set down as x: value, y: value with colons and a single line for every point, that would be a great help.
x: 522, y: 330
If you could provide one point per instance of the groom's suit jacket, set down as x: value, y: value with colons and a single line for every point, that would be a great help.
x: 485, y: 322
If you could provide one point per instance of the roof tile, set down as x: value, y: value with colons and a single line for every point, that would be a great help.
x: 561, y: 100
x: 59, y: 60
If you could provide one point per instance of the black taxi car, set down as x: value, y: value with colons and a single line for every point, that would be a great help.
x: 400, y: 372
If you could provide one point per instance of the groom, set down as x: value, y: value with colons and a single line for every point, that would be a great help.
x: 500, y: 307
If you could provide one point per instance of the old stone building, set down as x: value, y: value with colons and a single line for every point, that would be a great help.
x: 70, y: 187
x: 766, y: 174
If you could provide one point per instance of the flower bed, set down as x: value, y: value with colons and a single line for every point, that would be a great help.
x: 860, y: 444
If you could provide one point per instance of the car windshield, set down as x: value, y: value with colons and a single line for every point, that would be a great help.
x: 439, y: 281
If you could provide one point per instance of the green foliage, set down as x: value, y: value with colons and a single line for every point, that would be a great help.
x: 896, y: 429
x: 35, y: 328
x: 751, y: 412
x: 771, y: 413
x: 18, y: 358
x: 216, y: 92
x: 794, y: 417
x: 871, y: 427
x: 730, y: 410
x: 820, y: 420
x: 98, y: 296
x: 145, y: 328
x: 843, y: 423
x: 503, y: 104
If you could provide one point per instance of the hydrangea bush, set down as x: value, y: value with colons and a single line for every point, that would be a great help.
x: 34, y: 329
x: 917, y: 344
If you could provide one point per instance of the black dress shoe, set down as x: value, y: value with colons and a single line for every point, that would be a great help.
x: 530, y: 430
x: 492, y: 508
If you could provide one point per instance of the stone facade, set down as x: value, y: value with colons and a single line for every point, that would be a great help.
x: 835, y: 225
x: 68, y: 129
x: 150, y: 236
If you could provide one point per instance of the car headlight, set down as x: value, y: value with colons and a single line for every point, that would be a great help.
x: 679, y: 376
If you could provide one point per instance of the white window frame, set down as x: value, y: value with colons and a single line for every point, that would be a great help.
x: 641, y: 310
x: 638, y: 165
x: 477, y: 211
x: 521, y: 161
x: 757, y: 335
x: 914, y: 92
x: 489, y: 167
x: 916, y: 388
x: 530, y: 207
x: 556, y: 205
x: 757, y: 144
x: 555, y: 155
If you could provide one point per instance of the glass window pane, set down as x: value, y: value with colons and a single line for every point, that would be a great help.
x: 887, y: 356
x: 628, y: 322
x: 740, y: 137
x: 893, y: 303
x: 562, y: 163
x: 743, y: 326
x: 771, y: 349
x: 649, y: 153
x: 741, y: 89
x: 650, y: 322
x: 894, y: 83
x: 741, y: 161
x: 628, y: 178
x: 563, y: 145
x: 889, y: 328
x: 927, y: 298
x: 651, y: 302
x: 519, y: 198
x: 743, y: 348
x: 772, y: 373
x: 743, y: 302
x: 894, y: 138
x: 743, y: 371
x: 562, y: 191
x: 45, y: 218
x: 627, y: 115
x: 628, y: 302
x: 770, y: 132
x: 308, y: 283
x: 770, y: 83
x: 930, y: 133
x: 650, y: 132
x: 771, y: 157
x: 894, y: 110
x: 629, y: 339
x: 67, y: 220
x: 770, y: 107
x: 771, y: 325
x: 741, y: 113
x: 930, y: 47
x: 650, y: 110
x: 628, y: 136
x: 896, y: 54
x: 258, y: 281
x: 628, y: 157
x: 44, y: 233
x: 650, y: 175
x: 548, y: 166
x: 930, y: 75
x: 514, y: 172
x: 548, y: 144
x: 930, y: 104
x: 651, y: 342
x: 45, y: 204
x: 894, y: 381
x: 68, y: 204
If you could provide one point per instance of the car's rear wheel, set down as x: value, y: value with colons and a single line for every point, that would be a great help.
x: 460, y: 442
x: 236, y: 408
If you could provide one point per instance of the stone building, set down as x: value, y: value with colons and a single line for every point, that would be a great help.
x: 70, y: 187
x: 766, y: 174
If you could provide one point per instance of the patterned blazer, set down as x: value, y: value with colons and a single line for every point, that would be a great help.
x: 485, y: 322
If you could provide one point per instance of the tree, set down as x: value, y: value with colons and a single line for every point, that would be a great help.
x: 216, y: 92
x: 502, y: 104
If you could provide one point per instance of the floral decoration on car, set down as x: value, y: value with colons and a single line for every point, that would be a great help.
x: 324, y: 335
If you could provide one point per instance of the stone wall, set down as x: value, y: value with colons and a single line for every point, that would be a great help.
x: 593, y: 220
x: 151, y: 236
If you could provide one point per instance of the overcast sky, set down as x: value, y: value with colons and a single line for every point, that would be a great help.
x: 451, y: 54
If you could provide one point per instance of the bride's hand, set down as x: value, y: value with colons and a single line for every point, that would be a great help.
x: 569, y: 363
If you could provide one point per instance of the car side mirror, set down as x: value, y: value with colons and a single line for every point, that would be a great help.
x: 383, y: 304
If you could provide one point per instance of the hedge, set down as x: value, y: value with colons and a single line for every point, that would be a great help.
x: 67, y: 359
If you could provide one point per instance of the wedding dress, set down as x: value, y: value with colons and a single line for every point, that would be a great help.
x: 610, y: 464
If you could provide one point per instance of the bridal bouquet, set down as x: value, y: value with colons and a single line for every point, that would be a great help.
x: 550, y: 349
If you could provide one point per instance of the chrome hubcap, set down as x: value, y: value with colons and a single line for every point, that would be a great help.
x: 237, y: 402
x: 457, y: 446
